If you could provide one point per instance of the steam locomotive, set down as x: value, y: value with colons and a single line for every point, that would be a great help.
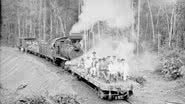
x: 58, y: 50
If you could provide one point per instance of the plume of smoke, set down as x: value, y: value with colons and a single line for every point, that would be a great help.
x: 120, y: 48
x: 117, y: 13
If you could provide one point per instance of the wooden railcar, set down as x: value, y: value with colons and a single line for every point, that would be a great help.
x: 113, y: 90
x: 25, y: 43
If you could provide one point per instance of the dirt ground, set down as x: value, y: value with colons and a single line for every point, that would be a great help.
x: 24, y: 74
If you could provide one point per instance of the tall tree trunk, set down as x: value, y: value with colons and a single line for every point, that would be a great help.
x: 26, y: 31
x: 30, y: 31
x: 44, y: 22
x: 138, y: 26
x: 132, y: 5
x: 19, y: 27
x: 158, y: 14
x: 40, y: 19
x: 63, y: 25
x: 51, y: 26
x: 147, y: 24
x: 174, y: 27
x: 151, y: 17
x: 167, y: 19
x: 99, y: 33
x: 159, y: 42
x: 23, y: 30
x: 171, y: 29
x: 157, y: 29
x: 85, y: 41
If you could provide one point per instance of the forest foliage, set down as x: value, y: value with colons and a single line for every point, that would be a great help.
x: 43, y: 19
x: 161, y: 23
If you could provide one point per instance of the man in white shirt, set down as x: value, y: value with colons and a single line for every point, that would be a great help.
x: 93, y: 67
x: 88, y: 63
x: 124, y: 69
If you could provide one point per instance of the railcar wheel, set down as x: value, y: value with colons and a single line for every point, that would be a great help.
x: 101, y: 94
x: 56, y: 62
x: 110, y: 96
x: 79, y: 77
x: 126, y: 96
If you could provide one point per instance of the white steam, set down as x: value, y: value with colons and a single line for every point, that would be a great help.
x: 117, y: 13
x: 109, y: 47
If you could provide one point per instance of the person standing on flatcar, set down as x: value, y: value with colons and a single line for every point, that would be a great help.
x: 93, y: 67
x: 88, y: 64
x: 122, y: 70
x: 126, y: 70
x: 94, y: 55
x: 98, y: 67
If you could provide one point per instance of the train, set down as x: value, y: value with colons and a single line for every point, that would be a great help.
x: 63, y: 49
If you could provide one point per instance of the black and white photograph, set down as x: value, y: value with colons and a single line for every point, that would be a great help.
x: 92, y: 52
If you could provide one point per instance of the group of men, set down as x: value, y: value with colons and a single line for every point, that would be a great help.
x: 108, y: 68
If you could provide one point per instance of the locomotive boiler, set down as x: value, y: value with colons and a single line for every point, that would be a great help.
x: 66, y: 48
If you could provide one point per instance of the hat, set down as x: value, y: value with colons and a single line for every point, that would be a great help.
x: 93, y: 58
x: 93, y: 52
x: 122, y: 59
x: 103, y: 59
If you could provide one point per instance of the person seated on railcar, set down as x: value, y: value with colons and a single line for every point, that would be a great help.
x: 81, y: 64
x: 104, y: 70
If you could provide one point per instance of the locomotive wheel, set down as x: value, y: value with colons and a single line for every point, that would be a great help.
x: 56, y: 62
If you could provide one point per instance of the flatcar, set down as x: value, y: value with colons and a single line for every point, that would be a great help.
x: 110, y: 91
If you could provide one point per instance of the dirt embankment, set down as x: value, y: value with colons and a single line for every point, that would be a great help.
x: 21, y: 74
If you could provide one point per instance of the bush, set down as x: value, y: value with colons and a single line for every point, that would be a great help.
x: 32, y: 100
x: 57, y: 99
x: 65, y: 99
x: 172, y: 65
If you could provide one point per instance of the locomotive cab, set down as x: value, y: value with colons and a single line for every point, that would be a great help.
x: 66, y: 48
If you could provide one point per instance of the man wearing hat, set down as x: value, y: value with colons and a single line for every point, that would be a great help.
x: 124, y: 69
x: 94, y: 55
